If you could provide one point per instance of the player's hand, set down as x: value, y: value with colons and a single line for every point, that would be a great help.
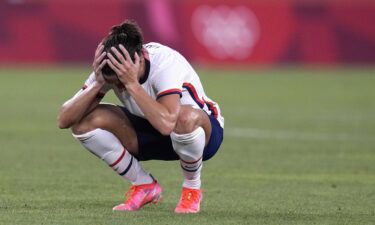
x: 99, y: 63
x: 126, y: 70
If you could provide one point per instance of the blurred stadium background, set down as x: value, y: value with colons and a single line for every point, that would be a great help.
x: 295, y: 80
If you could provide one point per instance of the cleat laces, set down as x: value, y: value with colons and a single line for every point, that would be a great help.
x: 187, y: 197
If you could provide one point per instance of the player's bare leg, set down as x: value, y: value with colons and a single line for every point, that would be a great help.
x: 108, y: 133
x: 111, y: 118
x: 189, y: 138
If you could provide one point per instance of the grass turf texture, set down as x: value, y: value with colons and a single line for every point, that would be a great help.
x: 298, y: 149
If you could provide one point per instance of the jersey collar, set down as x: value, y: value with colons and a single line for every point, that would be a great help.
x: 147, y: 71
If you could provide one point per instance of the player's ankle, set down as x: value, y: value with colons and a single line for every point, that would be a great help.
x: 192, y: 184
x: 144, y: 179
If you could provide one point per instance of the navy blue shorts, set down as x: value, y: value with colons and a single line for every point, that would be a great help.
x: 152, y: 145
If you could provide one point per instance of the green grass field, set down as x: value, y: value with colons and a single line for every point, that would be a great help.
x: 299, y: 148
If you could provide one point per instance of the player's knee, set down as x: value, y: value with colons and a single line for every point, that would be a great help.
x: 186, y: 121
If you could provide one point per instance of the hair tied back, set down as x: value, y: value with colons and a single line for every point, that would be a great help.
x: 119, y: 30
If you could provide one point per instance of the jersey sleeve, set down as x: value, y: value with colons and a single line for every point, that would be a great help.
x: 168, y: 79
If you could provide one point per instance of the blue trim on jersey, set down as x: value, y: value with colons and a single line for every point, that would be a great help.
x: 169, y: 93
x: 192, y: 96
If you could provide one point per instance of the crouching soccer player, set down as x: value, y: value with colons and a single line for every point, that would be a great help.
x: 165, y: 116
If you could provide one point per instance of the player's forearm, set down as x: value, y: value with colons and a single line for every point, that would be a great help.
x: 73, y: 110
x: 157, y: 114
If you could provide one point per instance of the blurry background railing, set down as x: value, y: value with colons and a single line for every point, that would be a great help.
x: 213, y: 32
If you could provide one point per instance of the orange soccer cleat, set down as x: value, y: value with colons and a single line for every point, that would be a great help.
x: 140, y: 195
x: 190, y: 201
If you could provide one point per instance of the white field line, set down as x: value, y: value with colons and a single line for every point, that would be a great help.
x: 293, y: 135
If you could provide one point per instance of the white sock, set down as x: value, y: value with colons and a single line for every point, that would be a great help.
x: 107, y: 147
x: 189, y: 147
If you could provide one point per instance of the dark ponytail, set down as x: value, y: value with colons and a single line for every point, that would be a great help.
x: 129, y: 35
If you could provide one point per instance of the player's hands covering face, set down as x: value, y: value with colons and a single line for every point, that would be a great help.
x: 99, y: 63
x: 126, y: 70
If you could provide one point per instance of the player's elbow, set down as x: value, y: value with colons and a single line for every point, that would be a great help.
x: 63, y: 123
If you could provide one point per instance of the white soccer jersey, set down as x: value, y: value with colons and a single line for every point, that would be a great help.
x: 168, y: 72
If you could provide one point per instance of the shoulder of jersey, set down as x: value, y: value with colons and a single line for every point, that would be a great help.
x: 160, y: 54
x: 153, y: 45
